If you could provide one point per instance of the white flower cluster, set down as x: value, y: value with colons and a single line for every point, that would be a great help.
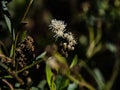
x: 71, y: 41
x: 59, y: 28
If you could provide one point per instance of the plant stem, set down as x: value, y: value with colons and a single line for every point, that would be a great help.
x: 91, y: 35
x: 8, y: 84
x: 83, y: 64
x: 82, y: 83
x: 29, y: 66
x: 14, y: 47
x: 26, y: 12
x: 13, y: 74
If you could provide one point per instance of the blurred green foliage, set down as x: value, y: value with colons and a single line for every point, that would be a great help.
x: 93, y: 65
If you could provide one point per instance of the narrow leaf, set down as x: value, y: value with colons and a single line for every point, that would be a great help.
x: 50, y: 78
x: 74, y: 61
x: 60, y: 58
x: 41, y: 56
x: 8, y: 22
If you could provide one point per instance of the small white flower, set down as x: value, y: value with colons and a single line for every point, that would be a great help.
x: 57, y: 25
x: 59, y: 34
x: 65, y: 45
x: 72, y: 48
x: 70, y: 38
x: 65, y: 35
x: 69, y: 47
x: 71, y: 43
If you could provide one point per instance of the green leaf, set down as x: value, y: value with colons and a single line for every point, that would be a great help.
x: 72, y: 86
x: 60, y: 58
x: 100, y: 79
x: 3, y: 65
x: 8, y: 22
x: 97, y: 48
x: 91, y: 34
x: 23, y: 36
x: 34, y: 88
x: 111, y: 47
x: 17, y: 85
x: 42, y: 84
x: 74, y: 61
x: 83, y: 40
x: 90, y: 50
x: 50, y: 78
x: 41, y: 56
x: 61, y: 83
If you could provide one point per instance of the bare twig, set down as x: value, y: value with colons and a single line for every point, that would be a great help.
x: 13, y: 74
x: 29, y: 66
x: 8, y: 84
x: 26, y: 12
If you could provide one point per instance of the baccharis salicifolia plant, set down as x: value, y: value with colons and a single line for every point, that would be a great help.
x: 58, y: 27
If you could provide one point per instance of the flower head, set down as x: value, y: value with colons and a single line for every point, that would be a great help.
x: 70, y: 38
x: 58, y: 27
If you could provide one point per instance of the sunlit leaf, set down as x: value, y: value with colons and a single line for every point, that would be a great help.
x: 12, y: 51
x: 60, y: 58
x: 50, y: 78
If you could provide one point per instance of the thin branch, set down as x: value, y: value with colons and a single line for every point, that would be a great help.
x: 82, y: 83
x: 83, y: 64
x: 26, y: 12
x: 10, y: 72
x: 8, y: 84
x: 13, y: 74
x: 29, y: 66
